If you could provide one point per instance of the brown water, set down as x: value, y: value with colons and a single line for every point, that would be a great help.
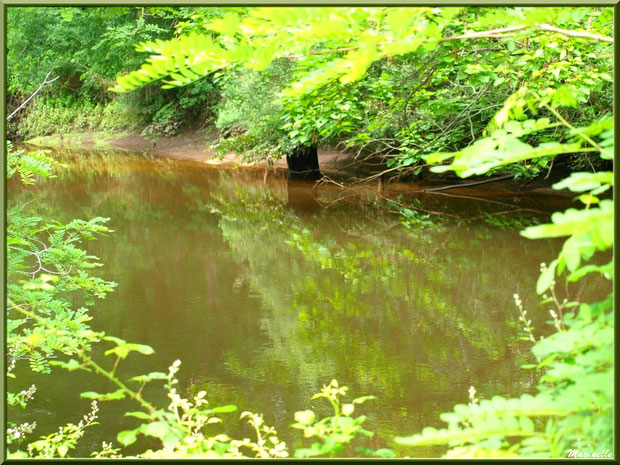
x: 267, y: 290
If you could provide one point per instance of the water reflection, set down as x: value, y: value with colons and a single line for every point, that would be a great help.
x: 267, y: 290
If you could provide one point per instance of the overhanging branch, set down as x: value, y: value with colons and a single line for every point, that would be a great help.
x: 491, y: 34
x: 45, y: 81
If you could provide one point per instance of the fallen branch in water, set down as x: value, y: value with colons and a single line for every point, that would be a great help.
x: 482, y: 199
x: 469, y: 184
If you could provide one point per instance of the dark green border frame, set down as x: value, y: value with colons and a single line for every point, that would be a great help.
x: 4, y: 4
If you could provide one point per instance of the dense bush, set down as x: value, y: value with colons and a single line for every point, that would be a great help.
x: 57, y: 116
x: 381, y: 89
x: 86, y: 48
x: 166, y: 122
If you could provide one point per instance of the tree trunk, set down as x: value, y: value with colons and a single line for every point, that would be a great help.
x: 303, y: 163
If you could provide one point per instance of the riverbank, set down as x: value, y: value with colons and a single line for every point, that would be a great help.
x: 195, y: 145
x: 188, y: 145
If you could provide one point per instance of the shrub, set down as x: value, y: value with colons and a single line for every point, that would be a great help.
x: 166, y: 122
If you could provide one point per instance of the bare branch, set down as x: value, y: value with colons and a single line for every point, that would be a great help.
x: 491, y: 34
x: 583, y: 34
x: 469, y: 184
x: 45, y: 81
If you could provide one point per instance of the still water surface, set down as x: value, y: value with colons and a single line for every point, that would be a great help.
x: 267, y: 290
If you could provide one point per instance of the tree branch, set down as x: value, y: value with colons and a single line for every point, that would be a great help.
x: 45, y: 81
x: 469, y: 184
x: 567, y: 32
x: 491, y: 34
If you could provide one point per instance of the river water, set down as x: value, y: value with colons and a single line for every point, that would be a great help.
x: 267, y: 290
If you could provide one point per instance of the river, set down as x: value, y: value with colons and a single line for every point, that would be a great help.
x: 266, y: 290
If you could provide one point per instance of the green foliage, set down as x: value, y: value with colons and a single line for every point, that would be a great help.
x: 86, y: 48
x: 382, y: 81
x: 574, y: 404
x: 248, y: 114
x: 367, y: 30
x: 166, y: 122
x: 589, y: 231
x: 22, y: 397
x: 47, y: 273
x: 58, y: 444
x: 303, y: 119
x: 48, y: 277
x: 505, y: 146
x: 28, y: 165
x: 334, y: 431
x: 179, y: 427
x: 55, y: 115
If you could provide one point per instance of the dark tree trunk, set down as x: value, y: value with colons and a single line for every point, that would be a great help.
x: 303, y: 163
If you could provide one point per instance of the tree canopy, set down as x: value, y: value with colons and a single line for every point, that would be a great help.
x: 384, y: 78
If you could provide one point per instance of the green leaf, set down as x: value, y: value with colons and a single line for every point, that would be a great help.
x: 362, y: 399
x: 347, y: 409
x: 546, y: 278
x: 126, y: 438
x: 228, y: 25
x: 605, y: 270
x: 150, y: 377
x: 305, y: 417
x: 170, y: 440
x: 71, y: 365
x: 223, y: 409
x: 140, y: 415
x: 565, y: 96
x: 580, y: 182
x: 124, y: 348
x: 116, y: 395
x: 62, y: 450
x: 557, y: 343
x: 315, y: 449
x: 156, y: 429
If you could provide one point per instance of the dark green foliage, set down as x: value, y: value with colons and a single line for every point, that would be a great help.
x: 166, y: 122
x: 88, y: 47
x: 390, y: 92
x: 249, y: 114
x: 56, y: 115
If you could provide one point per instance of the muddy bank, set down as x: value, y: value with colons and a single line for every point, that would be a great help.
x: 189, y: 145
x: 337, y: 166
